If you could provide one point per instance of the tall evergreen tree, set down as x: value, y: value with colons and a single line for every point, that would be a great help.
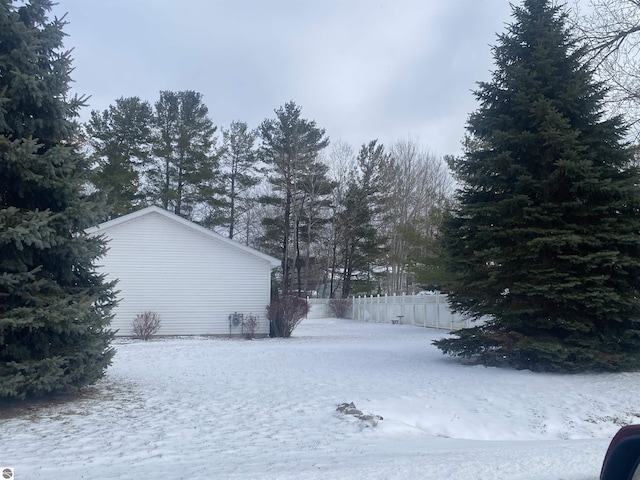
x: 239, y: 173
x: 313, y: 214
x: 186, y: 165
x: 545, y: 240
x: 54, y: 307
x: 121, y: 140
x: 359, y: 221
x: 291, y: 145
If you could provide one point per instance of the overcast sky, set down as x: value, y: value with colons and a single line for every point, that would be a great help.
x: 362, y: 69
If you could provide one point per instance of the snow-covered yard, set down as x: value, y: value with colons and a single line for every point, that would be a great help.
x: 202, y: 408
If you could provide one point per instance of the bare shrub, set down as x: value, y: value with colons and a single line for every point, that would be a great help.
x: 338, y: 307
x: 146, y: 324
x: 285, y: 313
x: 249, y: 326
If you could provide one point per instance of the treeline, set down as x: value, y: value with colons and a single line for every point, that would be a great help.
x: 342, y: 221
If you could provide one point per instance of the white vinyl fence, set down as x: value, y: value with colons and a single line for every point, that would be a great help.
x: 420, y: 310
x: 319, y: 308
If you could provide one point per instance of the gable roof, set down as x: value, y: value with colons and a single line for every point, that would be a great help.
x: 103, y: 227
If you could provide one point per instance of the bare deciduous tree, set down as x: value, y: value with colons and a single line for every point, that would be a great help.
x: 611, y: 29
x: 420, y: 188
x: 381, y: 218
x: 342, y: 161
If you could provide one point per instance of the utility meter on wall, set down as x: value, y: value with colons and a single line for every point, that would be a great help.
x: 235, y: 319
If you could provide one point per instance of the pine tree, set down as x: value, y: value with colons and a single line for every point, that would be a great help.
x: 239, y: 174
x: 359, y: 229
x: 54, y: 307
x: 291, y: 146
x: 183, y: 176
x: 314, y: 215
x: 544, y: 242
x: 120, y: 137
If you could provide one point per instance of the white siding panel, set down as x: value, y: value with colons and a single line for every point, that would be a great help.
x: 192, y: 280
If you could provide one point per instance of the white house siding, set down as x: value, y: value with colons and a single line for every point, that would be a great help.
x: 192, y: 279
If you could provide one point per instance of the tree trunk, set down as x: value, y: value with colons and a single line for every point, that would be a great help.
x: 232, y: 196
x: 285, y: 260
x: 167, y: 184
x: 298, y: 257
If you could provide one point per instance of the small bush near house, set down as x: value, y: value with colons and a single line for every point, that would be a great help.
x: 285, y: 313
x: 249, y: 326
x: 146, y: 324
x: 338, y: 307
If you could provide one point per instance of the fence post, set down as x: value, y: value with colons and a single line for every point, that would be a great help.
x: 353, y: 307
x: 375, y: 318
x: 413, y: 306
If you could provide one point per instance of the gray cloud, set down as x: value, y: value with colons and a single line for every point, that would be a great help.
x: 363, y: 69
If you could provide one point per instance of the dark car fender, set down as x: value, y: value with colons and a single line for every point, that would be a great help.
x: 623, y: 455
